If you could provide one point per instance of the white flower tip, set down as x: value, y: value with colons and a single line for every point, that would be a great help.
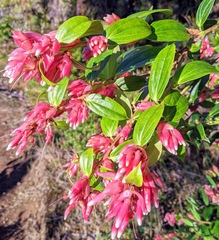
x: 17, y: 153
x: 8, y: 147
x: 119, y: 234
x: 139, y: 221
x: 118, y: 222
x: 113, y: 235
x: 91, y: 203
x: 11, y: 80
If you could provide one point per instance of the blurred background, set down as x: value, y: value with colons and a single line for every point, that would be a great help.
x: 31, y: 183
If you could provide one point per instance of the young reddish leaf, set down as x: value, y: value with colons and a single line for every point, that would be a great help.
x: 135, y: 176
x: 72, y: 29
x: 86, y: 161
x: 128, y: 30
x: 168, y: 31
x: 146, y: 124
x: 108, y: 126
x: 106, y: 107
x: 160, y: 72
x: 193, y: 70
x: 203, y: 12
x: 58, y: 92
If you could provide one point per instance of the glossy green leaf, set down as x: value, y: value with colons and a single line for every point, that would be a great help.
x: 99, y: 63
x: 214, y: 113
x: 205, y: 230
x: 115, y: 153
x: 201, y: 131
x: 154, y: 150
x: 124, y: 101
x: 195, y: 214
x: 187, y: 222
x: 57, y: 94
x: 175, y: 106
x: 136, y: 58
x: 160, y: 72
x: 95, y: 183
x: 128, y: 30
x: 61, y: 124
x: 204, y: 197
x: 86, y: 161
x: 72, y: 29
x: 211, y: 181
x: 203, y: 12
x: 135, y: 177
x: 207, y: 213
x: 130, y: 83
x: 146, y: 124
x: 144, y: 14
x: 193, y: 70
x: 108, y: 126
x: 106, y: 107
x: 96, y: 28
x: 168, y: 31
x: 214, y: 230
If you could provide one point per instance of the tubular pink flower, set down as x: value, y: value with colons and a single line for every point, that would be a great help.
x: 111, y: 18
x: 206, y: 50
x: 73, y: 166
x: 78, y: 88
x: 87, y: 53
x: 124, y: 133
x: 37, y: 120
x: 144, y: 105
x: 78, y: 112
x: 129, y: 158
x: 97, y: 45
x: 99, y: 143
x: 170, y: 137
x: 108, y: 90
x: 213, y: 80
x: 170, y: 218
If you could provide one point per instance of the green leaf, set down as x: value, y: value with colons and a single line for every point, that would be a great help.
x: 128, y: 30
x: 72, y: 29
x: 211, y: 181
x: 135, y: 176
x: 214, y: 230
x: 175, y: 106
x: 108, y: 126
x: 160, y: 72
x: 154, y: 150
x: 213, y: 116
x: 115, y: 153
x: 144, y: 14
x: 124, y: 101
x: 137, y: 57
x: 204, y: 197
x: 187, y: 222
x: 106, y: 107
x: 58, y: 92
x: 146, y: 124
x: 61, y: 124
x: 96, y: 28
x: 130, y: 83
x: 193, y: 70
x: 100, y: 62
x: 207, y: 213
x: 205, y: 230
x: 168, y: 31
x: 96, y: 183
x: 203, y: 12
x: 86, y: 161
x: 201, y: 131
x: 195, y: 214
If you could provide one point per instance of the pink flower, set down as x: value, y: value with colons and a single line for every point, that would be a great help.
x: 78, y: 88
x: 170, y: 137
x: 37, y: 120
x: 73, y: 166
x: 142, y: 106
x: 206, y: 50
x: 109, y: 90
x: 129, y: 158
x: 213, y: 79
x: 124, y: 133
x: 33, y: 47
x: 87, y: 53
x: 99, y: 143
x: 77, y: 112
x: 97, y: 45
x: 59, y: 68
x: 170, y: 218
x: 215, y: 93
x: 111, y: 18
x: 159, y: 237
